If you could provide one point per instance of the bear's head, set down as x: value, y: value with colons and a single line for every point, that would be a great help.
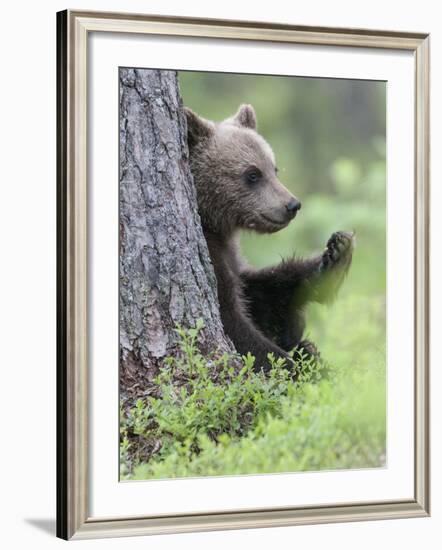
x: 236, y: 176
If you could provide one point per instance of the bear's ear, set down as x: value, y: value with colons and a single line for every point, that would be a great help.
x: 198, y: 128
x: 245, y: 117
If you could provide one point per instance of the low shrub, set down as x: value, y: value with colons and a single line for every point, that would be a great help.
x: 219, y: 417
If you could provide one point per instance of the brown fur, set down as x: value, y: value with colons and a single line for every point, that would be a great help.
x: 237, y: 188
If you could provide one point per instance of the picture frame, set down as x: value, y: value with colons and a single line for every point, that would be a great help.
x: 74, y: 520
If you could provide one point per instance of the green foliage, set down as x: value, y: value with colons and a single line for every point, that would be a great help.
x: 199, y: 396
x: 230, y: 420
x: 318, y: 427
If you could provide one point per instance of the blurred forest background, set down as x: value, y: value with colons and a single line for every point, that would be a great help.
x: 329, y: 139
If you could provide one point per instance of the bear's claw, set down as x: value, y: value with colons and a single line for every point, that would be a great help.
x: 338, y: 250
x: 307, y: 349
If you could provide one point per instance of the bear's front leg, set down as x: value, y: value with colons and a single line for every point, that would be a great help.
x: 333, y: 266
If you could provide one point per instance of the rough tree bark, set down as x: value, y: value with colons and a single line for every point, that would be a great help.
x: 165, y: 272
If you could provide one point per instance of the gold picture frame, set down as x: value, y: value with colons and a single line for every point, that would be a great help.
x: 73, y: 521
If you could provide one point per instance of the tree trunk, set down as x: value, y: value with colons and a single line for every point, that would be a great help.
x: 166, y: 277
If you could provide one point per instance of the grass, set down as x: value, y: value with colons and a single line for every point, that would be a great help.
x: 213, y: 418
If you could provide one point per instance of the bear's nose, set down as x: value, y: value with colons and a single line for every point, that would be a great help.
x: 293, y: 206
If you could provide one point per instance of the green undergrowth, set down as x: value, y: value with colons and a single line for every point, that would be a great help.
x: 219, y: 417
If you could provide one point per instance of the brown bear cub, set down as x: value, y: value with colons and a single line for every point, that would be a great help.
x: 237, y: 188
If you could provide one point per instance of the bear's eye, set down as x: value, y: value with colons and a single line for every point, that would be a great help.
x: 253, y: 175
